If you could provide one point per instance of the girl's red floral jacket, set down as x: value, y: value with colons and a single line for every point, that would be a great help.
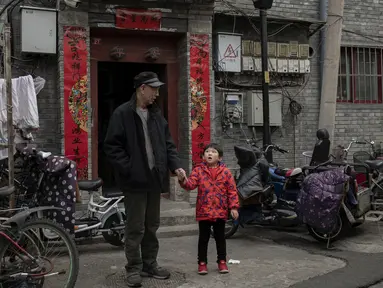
x: 217, y: 192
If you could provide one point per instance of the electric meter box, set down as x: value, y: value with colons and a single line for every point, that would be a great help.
x: 38, y: 30
x: 255, y: 109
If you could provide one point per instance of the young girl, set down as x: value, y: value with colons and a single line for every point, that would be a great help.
x: 217, y: 194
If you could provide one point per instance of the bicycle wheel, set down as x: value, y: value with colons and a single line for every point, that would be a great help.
x: 36, y: 266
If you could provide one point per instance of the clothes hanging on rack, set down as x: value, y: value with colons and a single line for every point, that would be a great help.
x: 24, y: 101
x: 25, y: 110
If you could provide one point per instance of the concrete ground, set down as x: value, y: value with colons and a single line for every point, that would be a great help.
x: 268, y: 258
x: 262, y: 264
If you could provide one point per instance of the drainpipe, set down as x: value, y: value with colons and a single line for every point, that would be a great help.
x: 322, y: 17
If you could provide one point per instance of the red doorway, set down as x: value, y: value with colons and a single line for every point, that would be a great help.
x: 111, y: 81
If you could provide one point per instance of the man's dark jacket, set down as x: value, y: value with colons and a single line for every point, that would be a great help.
x: 124, y: 146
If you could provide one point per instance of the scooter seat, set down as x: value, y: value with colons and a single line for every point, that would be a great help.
x: 374, y: 164
x: 90, y: 185
x: 288, y: 172
x: 265, y: 192
x: 112, y: 194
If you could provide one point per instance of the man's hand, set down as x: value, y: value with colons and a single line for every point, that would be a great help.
x: 181, y: 174
x: 234, y: 214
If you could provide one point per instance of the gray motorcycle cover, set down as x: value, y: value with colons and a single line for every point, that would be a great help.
x: 320, y: 198
x: 253, y: 172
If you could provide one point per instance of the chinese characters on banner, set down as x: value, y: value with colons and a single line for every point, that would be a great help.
x: 76, y: 98
x: 127, y: 18
x: 200, y: 94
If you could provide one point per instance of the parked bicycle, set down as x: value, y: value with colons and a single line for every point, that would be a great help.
x: 104, y: 217
x: 27, y: 258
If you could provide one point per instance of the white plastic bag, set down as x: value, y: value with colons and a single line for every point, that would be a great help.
x: 39, y: 84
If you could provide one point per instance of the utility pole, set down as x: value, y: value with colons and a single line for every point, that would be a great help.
x: 264, y: 5
x: 8, y: 83
x: 331, y: 66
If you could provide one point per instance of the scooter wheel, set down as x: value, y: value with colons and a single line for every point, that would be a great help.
x: 231, y: 228
x: 115, y: 239
x: 326, y: 237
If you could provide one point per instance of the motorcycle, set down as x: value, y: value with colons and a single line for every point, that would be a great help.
x: 273, y: 204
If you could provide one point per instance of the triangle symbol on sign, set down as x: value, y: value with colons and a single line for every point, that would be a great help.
x: 229, y: 53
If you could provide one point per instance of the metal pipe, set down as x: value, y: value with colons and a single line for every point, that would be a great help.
x: 265, y: 84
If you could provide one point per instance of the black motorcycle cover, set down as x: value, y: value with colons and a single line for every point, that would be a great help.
x: 254, y: 173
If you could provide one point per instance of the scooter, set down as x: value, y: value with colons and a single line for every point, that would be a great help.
x: 280, y: 212
x: 261, y: 207
x: 105, y: 217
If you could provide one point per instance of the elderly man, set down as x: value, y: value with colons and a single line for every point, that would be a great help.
x: 139, y: 145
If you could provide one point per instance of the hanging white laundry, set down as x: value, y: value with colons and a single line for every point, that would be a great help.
x: 3, y: 139
x: 3, y: 103
x: 27, y: 110
x: 15, y: 100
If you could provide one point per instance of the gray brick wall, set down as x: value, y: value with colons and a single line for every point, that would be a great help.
x: 352, y: 120
x: 295, y: 139
x: 360, y: 120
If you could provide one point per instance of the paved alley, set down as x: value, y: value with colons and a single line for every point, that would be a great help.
x: 262, y: 264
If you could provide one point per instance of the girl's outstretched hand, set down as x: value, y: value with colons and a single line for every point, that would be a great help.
x: 234, y: 214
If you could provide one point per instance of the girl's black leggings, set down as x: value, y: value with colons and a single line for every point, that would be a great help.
x: 204, y: 236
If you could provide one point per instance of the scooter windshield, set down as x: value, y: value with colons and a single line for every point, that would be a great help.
x: 245, y: 156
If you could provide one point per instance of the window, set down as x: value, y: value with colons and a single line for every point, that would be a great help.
x: 360, y: 75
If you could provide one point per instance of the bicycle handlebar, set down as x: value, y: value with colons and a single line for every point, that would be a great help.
x: 276, y: 148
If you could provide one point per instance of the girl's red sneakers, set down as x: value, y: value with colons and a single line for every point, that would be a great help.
x: 222, y: 267
x: 202, y: 268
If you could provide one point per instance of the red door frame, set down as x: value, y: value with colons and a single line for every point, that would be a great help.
x: 135, y: 43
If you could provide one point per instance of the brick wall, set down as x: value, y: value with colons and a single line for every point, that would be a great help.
x: 295, y: 135
x: 360, y: 120
x: 352, y: 120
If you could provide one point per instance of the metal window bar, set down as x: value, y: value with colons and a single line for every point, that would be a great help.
x: 360, y: 78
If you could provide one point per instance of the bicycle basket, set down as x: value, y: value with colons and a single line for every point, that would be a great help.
x: 360, y: 157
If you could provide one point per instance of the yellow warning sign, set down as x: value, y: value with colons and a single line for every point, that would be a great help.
x: 267, y: 77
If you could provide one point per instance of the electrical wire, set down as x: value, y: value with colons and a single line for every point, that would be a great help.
x: 4, y: 9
